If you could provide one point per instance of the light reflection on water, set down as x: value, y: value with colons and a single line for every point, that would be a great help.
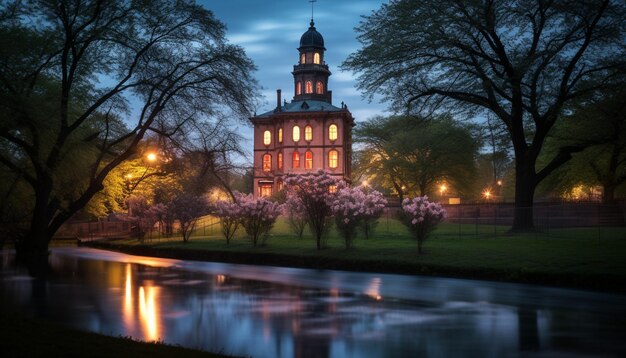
x: 284, y: 312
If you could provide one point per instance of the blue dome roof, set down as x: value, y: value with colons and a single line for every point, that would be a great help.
x: 312, y: 38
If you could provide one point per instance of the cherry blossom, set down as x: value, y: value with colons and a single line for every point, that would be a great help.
x: 421, y: 217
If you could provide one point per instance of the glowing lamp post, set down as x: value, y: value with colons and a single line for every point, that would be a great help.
x: 442, y: 189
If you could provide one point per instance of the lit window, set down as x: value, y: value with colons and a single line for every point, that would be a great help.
x: 332, y: 189
x: 309, y: 87
x: 280, y: 161
x: 279, y: 185
x: 308, y: 133
x: 296, y: 160
x: 316, y: 58
x: 265, y: 190
x: 332, y: 158
x: 332, y: 132
x: 267, y: 137
x: 267, y: 163
x: 296, y: 133
x: 280, y: 135
x: 319, y: 87
x: 308, y: 160
x: 302, y: 58
x: 299, y: 87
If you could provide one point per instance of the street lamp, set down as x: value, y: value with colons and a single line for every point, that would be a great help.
x: 487, y: 194
x: 151, y: 157
x: 442, y: 189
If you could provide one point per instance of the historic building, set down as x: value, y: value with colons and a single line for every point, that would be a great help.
x: 308, y: 133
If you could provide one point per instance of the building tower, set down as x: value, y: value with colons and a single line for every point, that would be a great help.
x: 307, y: 134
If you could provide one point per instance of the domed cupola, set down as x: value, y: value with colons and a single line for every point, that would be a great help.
x: 311, y: 73
x: 311, y: 39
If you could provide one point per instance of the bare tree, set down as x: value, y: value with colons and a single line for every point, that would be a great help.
x: 82, y: 72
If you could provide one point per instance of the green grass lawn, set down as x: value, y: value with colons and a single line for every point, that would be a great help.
x: 576, y: 258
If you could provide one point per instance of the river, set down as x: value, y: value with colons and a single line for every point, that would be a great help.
x: 264, y: 311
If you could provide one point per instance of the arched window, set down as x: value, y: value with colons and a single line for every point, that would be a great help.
x: 280, y: 135
x: 299, y: 87
x: 309, y: 87
x: 308, y: 133
x: 302, y: 59
x: 319, y: 88
x: 308, y: 160
x: 280, y: 161
x: 316, y: 58
x: 332, y: 132
x: 296, y: 133
x: 296, y: 160
x: 267, y: 137
x: 333, y: 159
x: 267, y: 162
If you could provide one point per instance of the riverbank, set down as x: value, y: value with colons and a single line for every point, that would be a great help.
x: 577, y: 262
x: 22, y: 337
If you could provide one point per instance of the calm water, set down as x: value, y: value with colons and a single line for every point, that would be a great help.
x: 281, y: 312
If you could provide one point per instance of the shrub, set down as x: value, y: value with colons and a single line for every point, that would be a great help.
x: 258, y: 216
x: 352, y: 207
x: 421, y: 217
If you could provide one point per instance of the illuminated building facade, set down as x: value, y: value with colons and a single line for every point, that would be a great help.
x: 307, y: 134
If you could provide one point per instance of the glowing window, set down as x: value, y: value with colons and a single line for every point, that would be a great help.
x: 332, y: 189
x: 308, y: 160
x: 316, y: 58
x: 280, y: 135
x: 279, y: 185
x: 296, y: 160
x: 280, y: 161
x: 308, y: 133
x: 333, y: 159
x: 267, y: 163
x: 299, y: 87
x: 309, y: 87
x: 265, y: 190
x: 267, y: 137
x: 302, y: 58
x: 296, y: 133
x: 332, y: 132
x: 319, y: 88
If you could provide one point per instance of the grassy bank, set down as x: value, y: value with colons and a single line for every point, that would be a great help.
x: 21, y: 337
x: 574, y: 260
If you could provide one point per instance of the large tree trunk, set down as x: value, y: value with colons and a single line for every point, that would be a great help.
x: 524, y: 196
x: 34, y: 244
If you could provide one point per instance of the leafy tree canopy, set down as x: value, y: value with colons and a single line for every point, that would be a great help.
x: 411, y: 156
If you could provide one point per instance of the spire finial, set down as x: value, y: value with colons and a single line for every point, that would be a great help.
x: 312, y: 2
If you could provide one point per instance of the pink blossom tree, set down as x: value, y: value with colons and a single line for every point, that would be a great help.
x: 187, y: 209
x: 373, y: 204
x: 230, y: 218
x: 258, y: 216
x: 354, y: 207
x: 294, y: 214
x: 313, y: 192
x: 421, y: 217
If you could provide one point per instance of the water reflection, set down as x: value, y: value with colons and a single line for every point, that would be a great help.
x: 278, y: 312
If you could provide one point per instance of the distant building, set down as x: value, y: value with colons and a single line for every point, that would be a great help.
x: 306, y: 134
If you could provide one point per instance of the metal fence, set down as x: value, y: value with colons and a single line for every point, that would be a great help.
x: 551, y: 220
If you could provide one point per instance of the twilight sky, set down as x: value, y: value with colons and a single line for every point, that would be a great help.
x: 270, y: 31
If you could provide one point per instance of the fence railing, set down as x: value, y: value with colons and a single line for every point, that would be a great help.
x: 550, y: 220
